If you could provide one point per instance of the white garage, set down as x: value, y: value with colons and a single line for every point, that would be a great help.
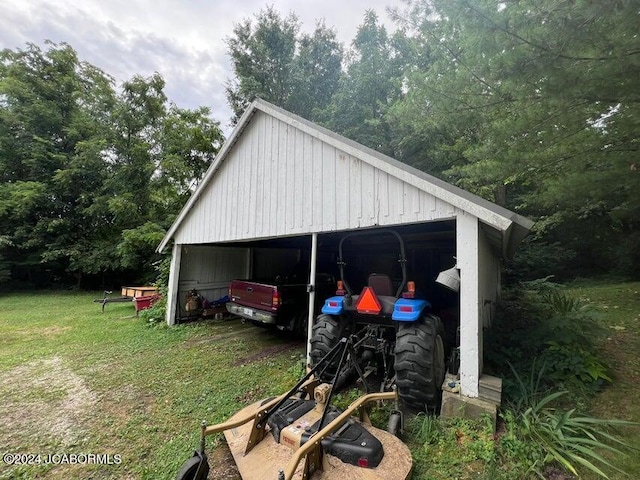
x: 283, y: 189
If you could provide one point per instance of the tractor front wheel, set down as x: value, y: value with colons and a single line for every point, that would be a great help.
x: 420, y: 362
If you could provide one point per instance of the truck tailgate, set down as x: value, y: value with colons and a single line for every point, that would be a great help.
x: 252, y: 294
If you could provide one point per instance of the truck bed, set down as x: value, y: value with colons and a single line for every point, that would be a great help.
x: 269, y: 303
x: 282, y: 302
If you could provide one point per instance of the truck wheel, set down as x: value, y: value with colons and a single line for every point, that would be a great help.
x: 298, y: 325
x: 419, y: 362
x: 327, y: 332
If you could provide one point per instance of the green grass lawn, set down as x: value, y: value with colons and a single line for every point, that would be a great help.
x: 76, y: 381
x: 621, y: 306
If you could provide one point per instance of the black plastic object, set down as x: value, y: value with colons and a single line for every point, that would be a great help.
x: 351, y: 443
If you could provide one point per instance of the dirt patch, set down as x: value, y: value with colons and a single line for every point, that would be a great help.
x: 45, y: 331
x: 223, y: 466
x: 265, y: 353
x: 45, y: 401
x: 553, y: 473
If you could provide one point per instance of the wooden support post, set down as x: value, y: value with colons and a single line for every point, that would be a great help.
x: 174, y: 276
x: 467, y: 232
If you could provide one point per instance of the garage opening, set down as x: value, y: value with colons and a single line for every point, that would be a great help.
x: 429, y: 249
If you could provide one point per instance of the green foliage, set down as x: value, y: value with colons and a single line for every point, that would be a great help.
x: 517, y: 449
x: 138, y: 245
x: 5, y: 273
x: 533, y: 105
x: 539, y: 321
x: 156, y: 314
x: 368, y: 87
x: 538, y: 435
x: 190, y: 140
x: 272, y: 60
x: 534, y: 439
x: 426, y: 428
x: 453, y: 447
x: 90, y: 178
x: 298, y: 369
x: 543, y: 430
x: 536, y: 258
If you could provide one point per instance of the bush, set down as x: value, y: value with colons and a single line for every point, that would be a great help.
x: 157, y: 312
x: 537, y: 259
x: 540, y: 321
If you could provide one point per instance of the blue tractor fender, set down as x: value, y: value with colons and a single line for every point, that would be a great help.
x: 409, y: 309
x: 333, y: 305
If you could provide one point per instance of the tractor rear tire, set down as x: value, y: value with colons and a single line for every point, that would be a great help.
x: 327, y: 332
x: 420, y: 362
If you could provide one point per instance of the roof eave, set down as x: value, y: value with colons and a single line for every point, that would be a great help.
x: 215, y: 165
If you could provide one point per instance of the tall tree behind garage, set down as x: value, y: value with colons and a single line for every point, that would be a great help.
x: 273, y: 61
x: 536, y: 105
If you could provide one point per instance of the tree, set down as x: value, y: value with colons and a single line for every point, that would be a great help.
x: 317, y: 70
x: 273, y: 61
x: 187, y: 142
x: 157, y: 155
x: 90, y: 179
x: 543, y: 104
x: 371, y: 84
x: 51, y: 114
x: 190, y: 140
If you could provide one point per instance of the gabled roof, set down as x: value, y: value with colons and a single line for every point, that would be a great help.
x: 511, y: 226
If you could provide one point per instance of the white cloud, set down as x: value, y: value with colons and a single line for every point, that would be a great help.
x: 182, y: 40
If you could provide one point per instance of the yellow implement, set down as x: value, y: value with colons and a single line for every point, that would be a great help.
x: 299, y: 435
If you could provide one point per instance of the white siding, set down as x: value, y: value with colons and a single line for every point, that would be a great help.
x: 278, y: 180
x: 209, y: 269
x: 489, y: 271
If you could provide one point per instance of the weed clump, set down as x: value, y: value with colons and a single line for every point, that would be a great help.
x: 540, y: 321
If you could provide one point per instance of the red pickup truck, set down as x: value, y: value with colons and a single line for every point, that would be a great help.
x: 282, y: 302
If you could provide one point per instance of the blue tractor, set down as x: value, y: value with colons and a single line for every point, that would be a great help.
x: 393, y: 333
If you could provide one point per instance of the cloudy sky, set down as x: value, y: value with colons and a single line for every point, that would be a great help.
x: 183, y: 40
